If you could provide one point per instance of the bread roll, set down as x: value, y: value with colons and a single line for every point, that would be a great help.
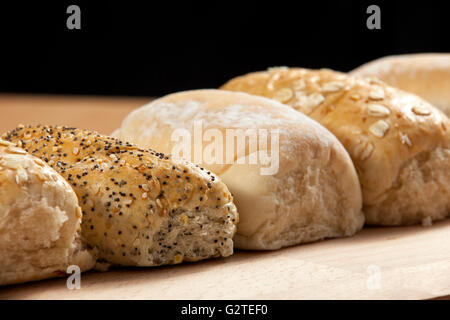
x: 307, y: 191
x: 399, y: 143
x: 39, y: 220
x: 426, y: 74
x: 140, y: 208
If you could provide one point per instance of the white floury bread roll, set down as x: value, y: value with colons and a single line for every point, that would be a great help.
x: 308, y: 189
x: 39, y: 220
x: 140, y: 208
x: 399, y: 143
x: 425, y: 74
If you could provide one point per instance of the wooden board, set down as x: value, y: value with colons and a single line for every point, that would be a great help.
x: 378, y: 263
x: 103, y: 114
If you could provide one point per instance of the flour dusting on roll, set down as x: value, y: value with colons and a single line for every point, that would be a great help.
x: 292, y: 180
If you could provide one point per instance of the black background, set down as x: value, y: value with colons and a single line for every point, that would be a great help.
x: 128, y: 48
x: 287, y: 309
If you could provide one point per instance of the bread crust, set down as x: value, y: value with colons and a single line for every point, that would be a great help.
x: 383, y: 129
x: 425, y: 74
x: 315, y: 194
x: 39, y: 220
x: 140, y: 208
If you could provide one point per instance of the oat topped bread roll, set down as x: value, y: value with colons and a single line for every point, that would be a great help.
x: 140, y: 207
x: 399, y: 143
x: 39, y: 220
x: 425, y: 74
x: 291, y: 179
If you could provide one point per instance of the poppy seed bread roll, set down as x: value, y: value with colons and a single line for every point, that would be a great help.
x: 140, y: 208
x: 291, y: 179
x: 39, y: 220
x: 425, y: 74
x: 399, y: 143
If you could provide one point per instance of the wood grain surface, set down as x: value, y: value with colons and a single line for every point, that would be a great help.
x: 378, y: 263
x: 103, y: 114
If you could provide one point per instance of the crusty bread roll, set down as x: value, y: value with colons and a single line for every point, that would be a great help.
x: 426, y: 74
x: 399, y: 143
x: 312, y: 194
x: 39, y: 220
x: 140, y: 208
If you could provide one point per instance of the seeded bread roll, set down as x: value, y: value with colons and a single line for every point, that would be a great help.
x: 140, y: 208
x: 399, y: 143
x: 425, y: 74
x: 39, y: 220
x: 309, y: 189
